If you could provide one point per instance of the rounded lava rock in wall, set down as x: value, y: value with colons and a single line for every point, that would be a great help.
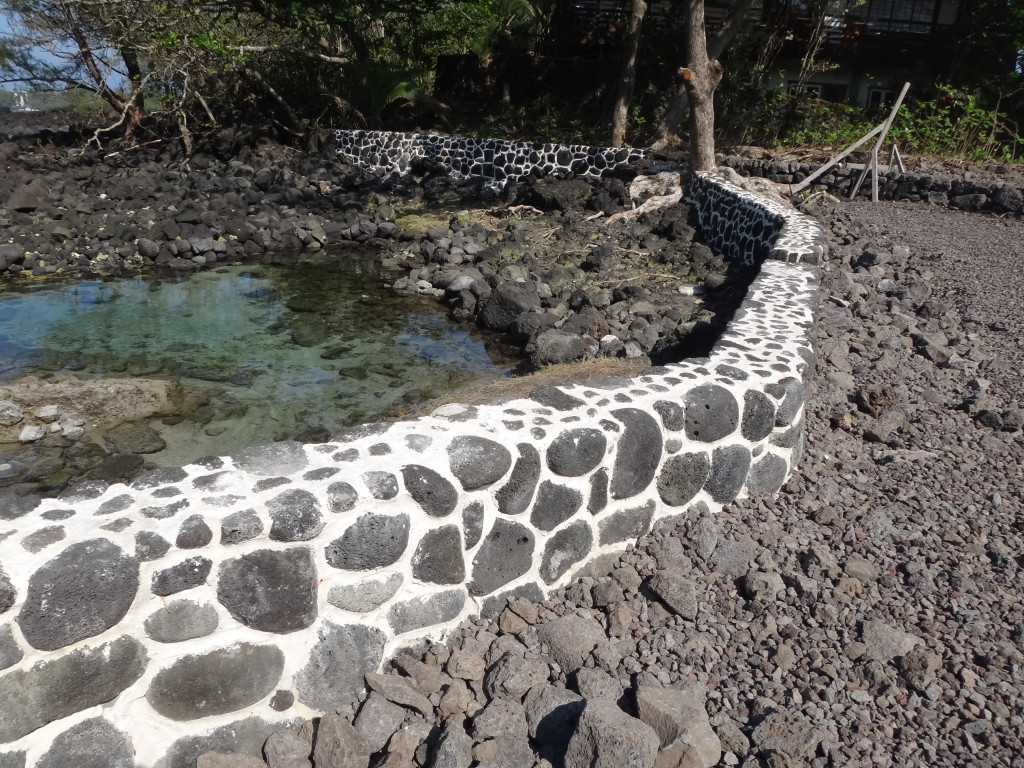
x: 270, y: 590
x: 214, y: 683
x: 83, y: 591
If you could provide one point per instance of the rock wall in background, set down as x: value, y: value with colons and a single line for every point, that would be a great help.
x: 494, y: 160
x: 203, y: 607
x: 938, y: 189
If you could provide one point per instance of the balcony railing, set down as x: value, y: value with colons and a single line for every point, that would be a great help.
x: 843, y: 32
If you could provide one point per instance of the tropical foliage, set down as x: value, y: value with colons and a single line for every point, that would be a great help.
x: 500, y: 66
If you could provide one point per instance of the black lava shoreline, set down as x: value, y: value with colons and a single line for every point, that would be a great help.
x: 539, y: 266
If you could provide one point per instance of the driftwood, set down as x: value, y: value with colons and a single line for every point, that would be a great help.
x: 754, y: 184
x: 652, y: 192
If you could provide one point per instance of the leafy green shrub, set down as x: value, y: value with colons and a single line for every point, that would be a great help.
x: 955, y: 125
x: 826, y: 124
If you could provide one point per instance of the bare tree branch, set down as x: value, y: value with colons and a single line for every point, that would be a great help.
x: 289, y: 49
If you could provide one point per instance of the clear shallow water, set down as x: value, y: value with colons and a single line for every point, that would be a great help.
x: 301, y: 350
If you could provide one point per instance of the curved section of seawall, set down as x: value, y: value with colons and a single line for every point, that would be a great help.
x: 203, y: 607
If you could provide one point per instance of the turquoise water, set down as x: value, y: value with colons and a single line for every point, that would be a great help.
x: 301, y: 350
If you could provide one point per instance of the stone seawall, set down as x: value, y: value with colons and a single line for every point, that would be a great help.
x: 204, y: 607
x: 494, y: 160
x: 962, y: 193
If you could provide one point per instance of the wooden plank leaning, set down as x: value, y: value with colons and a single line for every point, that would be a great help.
x: 834, y: 160
x: 873, y: 164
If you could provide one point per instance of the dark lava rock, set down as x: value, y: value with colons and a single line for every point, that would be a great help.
x: 627, y: 524
x: 341, y: 497
x: 758, y: 416
x: 334, y: 677
x: 373, y: 541
x: 550, y: 193
x: 294, y: 516
x: 8, y: 594
x: 576, y: 452
x: 637, y: 454
x: 240, y: 526
x: 365, y: 596
x: 672, y: 415
x: 438, y: 557
x: 554, y: 505
x: 382, y: 485
x: 270, y: 590
x: 24, y: 199
x: 150, y: 546
x: 478, y: 462
x: 217, y: 682
x: 193, y: 533
x: 598, y: 491
x: 282, y: 700
x: 93, y: 743
x: 729, y: 467
x: 10, y: 253
x: 426, y: 611
x: 556, y: 347
x: 514, y: 497
x: 563, y: 550
x: 430, y: 490
x: 506, y: 302
x: 10, y: 652
x: 767, y: 475
x: 553, y: 397
x: 83, y: 591
x: 506, y: 554
x: 181, y: 620
x: 529, y: 325
x: 711, y: 413
x: 792, y: 393
x: 58, y: 687
x: 116, y: 504
x: 185, y: 575
x: 157, y: 477
x: 682, y: 477
x: 473, y: 523
x: 168, y: 510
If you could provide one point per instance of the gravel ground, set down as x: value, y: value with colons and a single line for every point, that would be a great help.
x: 978, y: 268
x: 869, y: 615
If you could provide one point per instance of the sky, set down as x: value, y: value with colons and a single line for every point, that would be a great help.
x: 5, y: 30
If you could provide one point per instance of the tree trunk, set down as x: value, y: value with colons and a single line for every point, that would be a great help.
x: 135, y: 103
x: 680, y: 102
x: 700, y: 77
x: 624, y: 92
x: 671, y: 120
x: 131, y: 111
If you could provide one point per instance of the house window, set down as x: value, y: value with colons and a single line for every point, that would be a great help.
x: 914, y: 16
x: 814, y: 90
x: 822, y: 91
x: 880, y: 98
